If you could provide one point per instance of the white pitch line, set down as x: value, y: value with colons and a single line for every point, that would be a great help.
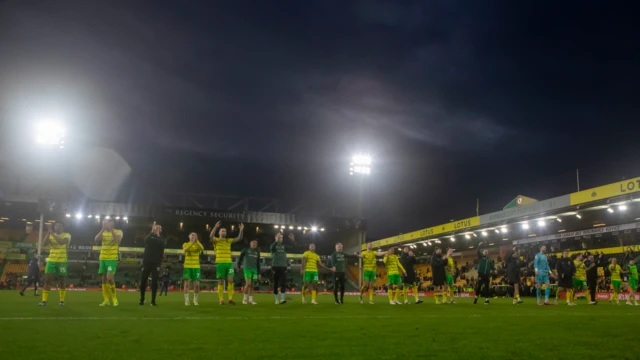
x: 304, y: 317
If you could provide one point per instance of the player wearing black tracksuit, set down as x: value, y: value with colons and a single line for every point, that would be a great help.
x: 486, y: 267
x: 565, y: 268
x: 438, y: 263
x: 514, y: 264
x: 151, y: 262
x: 164, y: 282
x: 591, y: 266
x: 34, y: 276
x: 410, y: 280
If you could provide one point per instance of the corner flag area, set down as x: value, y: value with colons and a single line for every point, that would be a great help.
x: 325, y: 331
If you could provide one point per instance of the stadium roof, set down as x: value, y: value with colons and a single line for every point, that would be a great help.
x: 585, y: 200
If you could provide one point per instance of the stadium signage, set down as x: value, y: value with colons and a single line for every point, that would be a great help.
x: 22, y: 245
x: 578, y: 234
x: 525, y: 210
x: 424, y: 233
x: 602, y: 192
x: 210, y: 214
x: 606, y: 191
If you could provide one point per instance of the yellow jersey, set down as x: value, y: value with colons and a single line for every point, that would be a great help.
x: 369, y: 260
x: 393, y: 265
x: 581, y: 273
x: 312, y: 261
x: 58, y: 252
x: 223, y: 250
x: 192, y: 254
x: 448, y: 269
x: 109, y: 249
x: 615, y: 272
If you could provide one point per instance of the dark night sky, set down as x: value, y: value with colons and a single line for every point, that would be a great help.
x: 455, y: 99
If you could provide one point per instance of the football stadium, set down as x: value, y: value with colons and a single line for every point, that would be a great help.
x: 296, y: 180
x: 505, y: 284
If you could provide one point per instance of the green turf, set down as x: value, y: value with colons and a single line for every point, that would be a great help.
x: 324, y: 331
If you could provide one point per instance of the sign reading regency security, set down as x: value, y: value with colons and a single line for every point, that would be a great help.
x: 210, y: 214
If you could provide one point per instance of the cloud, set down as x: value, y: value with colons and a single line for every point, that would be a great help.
x: 364, y: 105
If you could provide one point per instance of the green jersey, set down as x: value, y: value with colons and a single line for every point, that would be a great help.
x: 337, y: 261
x: 278, y: 254
x: 633, y: 272
x: 250, y: 259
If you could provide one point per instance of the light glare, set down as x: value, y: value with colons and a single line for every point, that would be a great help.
x: 50, y: 133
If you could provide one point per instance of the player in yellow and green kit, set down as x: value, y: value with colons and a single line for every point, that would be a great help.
x: 449, y: 270
x: 616, y: 280
x: 310, y: 262
x: 224, y: 264
x: 580, y: 277
x: 58, y: 241
x: 394, y: 269
x: 191, y: 272
x: 110, y: 238
x: 369, y: 268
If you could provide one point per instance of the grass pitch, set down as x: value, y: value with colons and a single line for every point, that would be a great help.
x: 325, y: 331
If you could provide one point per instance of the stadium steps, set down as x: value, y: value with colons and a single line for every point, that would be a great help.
x: 20, y: 269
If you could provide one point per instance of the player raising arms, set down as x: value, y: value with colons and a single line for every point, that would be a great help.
x: 394, y: 268
x: 438, y: 263
x: 616, y: 280
x: 565, y: 269
x: 58, y: 240
x: 449, y: 270
x: 249, y: 260
x: 408, y: 261
x: 580, y: 278
x: 191, y: 272
x: 224, y: 264
x: 310, y: 262
x: 110, y: 237
x: 369, y: 268
x: 542, y: 270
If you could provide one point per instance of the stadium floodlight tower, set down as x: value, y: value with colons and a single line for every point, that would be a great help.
x: 360, y: 166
